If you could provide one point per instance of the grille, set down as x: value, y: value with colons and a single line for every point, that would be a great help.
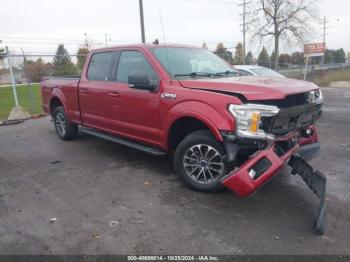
x: 289, y: 101
x: 291, y: 118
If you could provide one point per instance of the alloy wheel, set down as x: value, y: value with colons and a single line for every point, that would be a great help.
x: 60, y: 124
x: 203, y: 164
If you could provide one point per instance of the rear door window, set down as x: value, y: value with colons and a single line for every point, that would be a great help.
x: 100, y: 66
x: 131, y: 62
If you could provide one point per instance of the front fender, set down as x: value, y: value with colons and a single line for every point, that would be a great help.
x: 205, y: 113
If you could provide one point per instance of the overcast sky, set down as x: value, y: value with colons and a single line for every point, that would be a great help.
x: 38, y: 26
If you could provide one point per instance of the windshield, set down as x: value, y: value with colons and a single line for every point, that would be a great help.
x: 182, y: 62
x: 263, y: 71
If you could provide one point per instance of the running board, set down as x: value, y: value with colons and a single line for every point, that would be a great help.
x: 124, y: 142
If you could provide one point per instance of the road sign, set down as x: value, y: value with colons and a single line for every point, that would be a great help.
x: 314, y: 49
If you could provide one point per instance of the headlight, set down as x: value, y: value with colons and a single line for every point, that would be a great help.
x: 315, y: 97
x: 248, y: 119
x: 319, y: 97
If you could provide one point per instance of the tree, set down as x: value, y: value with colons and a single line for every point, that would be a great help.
x: 283, y: 19
x: 81, y: 56
x: 329, y: 56
x: 249, y: 59
x: 239, y: 55
x: 334, y: 56
x: 220, y: 47
x: 62, y: 63
x: 2, y: 53
x: 36, y: 70
x: 339, y: 56
x: 297, y: 58
x: 204, y: 45
x: 263, y: 58
x: 284, y: 60
x: 273, y: 59
x: 222, y: 51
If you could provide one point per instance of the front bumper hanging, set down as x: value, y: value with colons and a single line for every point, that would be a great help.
x: 316, y: 181
x: 263, y: 165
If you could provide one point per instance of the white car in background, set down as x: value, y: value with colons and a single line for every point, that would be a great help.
x: 247, y: 70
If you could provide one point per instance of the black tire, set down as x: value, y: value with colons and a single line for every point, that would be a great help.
x: 64, y: 129
x: 186, y: 151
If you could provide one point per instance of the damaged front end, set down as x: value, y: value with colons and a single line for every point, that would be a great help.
x: 280, y: 135
x: 316, y: 181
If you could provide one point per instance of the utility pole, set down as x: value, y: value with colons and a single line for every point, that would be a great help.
x: 86, y: 41
x: 324, y: 30
x: 12, y: 76
x: 1, y: 55
x: 142, y: 22
x: 244, y: 25
x: 325, y: 22
x: 106, y: 40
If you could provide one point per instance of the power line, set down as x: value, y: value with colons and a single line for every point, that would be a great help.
x: 54, y: 39
x: 63, y: 42
x: 47, y: 43
x: 215, y: 2
x: 41, y: 38
x: 39, y: 55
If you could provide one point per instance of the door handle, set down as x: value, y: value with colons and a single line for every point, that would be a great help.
x: 114, y: 94
x: 83, y: 91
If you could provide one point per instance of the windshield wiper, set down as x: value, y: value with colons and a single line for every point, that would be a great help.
x: 196, y: 74
x: 226, y: 73
x: 204, y: 74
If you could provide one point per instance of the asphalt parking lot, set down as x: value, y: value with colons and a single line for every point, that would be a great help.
x: 109, y: 199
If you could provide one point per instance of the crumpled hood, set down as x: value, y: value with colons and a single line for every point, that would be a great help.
x: 252, y: 87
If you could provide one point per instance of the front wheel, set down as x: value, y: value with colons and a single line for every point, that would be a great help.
x: 64, y: 129
x: 199, y: 162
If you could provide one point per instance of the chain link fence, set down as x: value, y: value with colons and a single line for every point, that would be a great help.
x: 28, y: 93
x: 27, y: 70
x: 322, y: 75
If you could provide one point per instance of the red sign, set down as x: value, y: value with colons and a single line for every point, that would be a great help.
x: 314, y: 49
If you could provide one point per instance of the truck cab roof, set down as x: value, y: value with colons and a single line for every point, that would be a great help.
x: 142, y: 46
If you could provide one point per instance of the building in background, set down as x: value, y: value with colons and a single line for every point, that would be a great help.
x: 5, y: 76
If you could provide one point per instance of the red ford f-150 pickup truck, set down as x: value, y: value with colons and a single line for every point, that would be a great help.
x: 224, y: 130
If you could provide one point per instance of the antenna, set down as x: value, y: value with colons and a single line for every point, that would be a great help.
x: 165, y: 45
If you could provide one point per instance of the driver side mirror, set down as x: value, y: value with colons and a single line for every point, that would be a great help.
x: 140, y: 80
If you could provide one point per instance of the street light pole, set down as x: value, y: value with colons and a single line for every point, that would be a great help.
x: 12, y: 76
x: 142, y: 22
x: 28, y: 81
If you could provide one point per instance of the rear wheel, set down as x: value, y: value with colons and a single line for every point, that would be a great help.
x: 199, y: 162
x: 64, y: 129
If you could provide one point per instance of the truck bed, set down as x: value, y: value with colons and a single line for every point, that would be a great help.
x: 64, y: 88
